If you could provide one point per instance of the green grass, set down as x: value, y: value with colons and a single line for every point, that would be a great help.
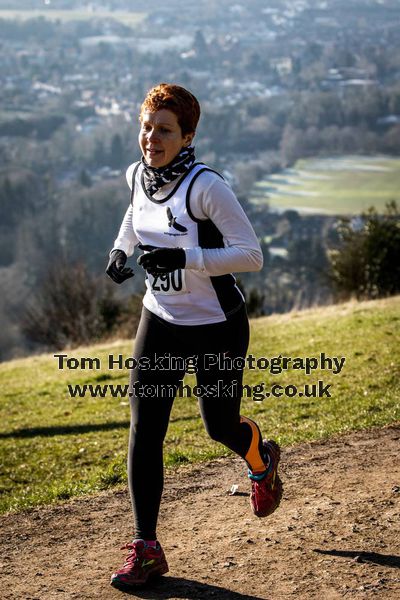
x: 128, y: 18
x: 342, y: 185
x: 54, y: 447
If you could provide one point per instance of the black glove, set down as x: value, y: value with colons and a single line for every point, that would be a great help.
x: 161, y: 260
x: 115, y: 268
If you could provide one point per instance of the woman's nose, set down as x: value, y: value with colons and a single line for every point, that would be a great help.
x: 152, y: 134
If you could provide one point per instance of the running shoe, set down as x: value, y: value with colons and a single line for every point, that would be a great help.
x: 141, y: 564
x: 266, y: 488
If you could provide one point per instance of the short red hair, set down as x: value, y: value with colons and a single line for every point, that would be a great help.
x: 176, y: 99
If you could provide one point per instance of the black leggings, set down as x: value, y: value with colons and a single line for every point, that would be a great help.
x: 150, y: 412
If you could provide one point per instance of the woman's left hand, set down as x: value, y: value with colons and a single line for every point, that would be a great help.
x: 116, y: 267
x: 161, y: 260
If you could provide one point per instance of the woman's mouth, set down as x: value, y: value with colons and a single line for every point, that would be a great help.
x: 153, y: 152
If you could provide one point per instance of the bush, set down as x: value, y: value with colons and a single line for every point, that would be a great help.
x: 367, y: 264
x: 71, y: 307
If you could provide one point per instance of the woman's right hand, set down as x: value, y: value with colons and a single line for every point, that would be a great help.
x: 158, y: 261
x: 115, y: 268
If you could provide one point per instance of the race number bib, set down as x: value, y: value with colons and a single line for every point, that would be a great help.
x: 167, y: 284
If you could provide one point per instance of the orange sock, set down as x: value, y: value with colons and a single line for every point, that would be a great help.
x: 253, y: 457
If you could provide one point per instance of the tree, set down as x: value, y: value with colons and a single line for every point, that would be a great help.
x: 292, y: 145
x: 95, y: 215
x: 70, y: 307
x: 100, y: 157
x: 254, y: 299
x: 368, y: 264
x: 117, y: 153
x: 255, y: 302
x: 85, y: 179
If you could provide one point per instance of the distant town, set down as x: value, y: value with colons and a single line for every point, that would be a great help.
x: 93, y: 72
x: 277, y: 81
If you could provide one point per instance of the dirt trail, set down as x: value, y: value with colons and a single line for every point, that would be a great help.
x: 335, y: 535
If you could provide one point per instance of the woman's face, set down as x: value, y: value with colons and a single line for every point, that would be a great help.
x: 160, y: 137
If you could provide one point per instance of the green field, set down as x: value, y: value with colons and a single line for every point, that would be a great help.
x: 128, y: 18
x: 343, y: 185
x: 54, y: 447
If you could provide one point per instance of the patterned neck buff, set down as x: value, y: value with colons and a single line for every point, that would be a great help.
x: 155, y: 178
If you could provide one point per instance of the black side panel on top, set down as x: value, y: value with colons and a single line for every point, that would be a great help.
x: 209, y: 236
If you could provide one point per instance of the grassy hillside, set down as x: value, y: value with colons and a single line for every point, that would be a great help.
x: 339, y: 185
x: 54, y: 446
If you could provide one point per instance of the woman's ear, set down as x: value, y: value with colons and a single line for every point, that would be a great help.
x: 189, y: 138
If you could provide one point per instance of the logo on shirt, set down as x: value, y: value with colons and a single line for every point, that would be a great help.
x: 172, y: 222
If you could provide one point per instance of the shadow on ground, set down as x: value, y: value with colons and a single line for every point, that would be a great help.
x: 29, y: 432
x: 385, y: 560
x: 187, y: 589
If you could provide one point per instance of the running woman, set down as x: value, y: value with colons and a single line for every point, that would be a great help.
x: 193, y: 233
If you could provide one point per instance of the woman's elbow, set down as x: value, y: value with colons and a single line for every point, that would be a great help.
x: 256, y: 260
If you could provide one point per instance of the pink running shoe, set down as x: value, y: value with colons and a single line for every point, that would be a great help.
x: 142, y: 563
x: 266, y: 488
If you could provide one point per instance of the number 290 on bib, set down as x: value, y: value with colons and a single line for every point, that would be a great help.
x: 167, y: 283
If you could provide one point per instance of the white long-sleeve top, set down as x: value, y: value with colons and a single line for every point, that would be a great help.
x: 212, y: 216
